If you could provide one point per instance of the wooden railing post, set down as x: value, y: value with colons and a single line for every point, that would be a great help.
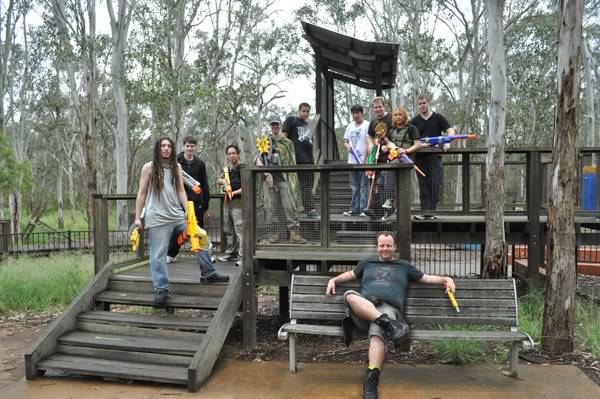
x: 403, y: 217
x: 100, y: 232
x: 249, y: 300
x: 324, y: 223
x: 466, y: 182
x: 535, y: 246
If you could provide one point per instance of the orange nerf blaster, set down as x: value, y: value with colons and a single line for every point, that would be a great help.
x: 228, y: 190
x: 191, y: 182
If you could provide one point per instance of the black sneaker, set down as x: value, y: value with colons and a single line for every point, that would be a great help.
x: 429, y: 217
x: 396, y: 330
x: 419, y: 217
x: 160, y: 296
x: 388, y: 204
x: 371, y: 383
x: 217, y: 278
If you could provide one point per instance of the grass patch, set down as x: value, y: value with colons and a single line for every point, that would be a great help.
x: 587, y: 330
x: 531, y: 314
x: 463, y: 352
x: 587, y: 321
x: 42, y: 283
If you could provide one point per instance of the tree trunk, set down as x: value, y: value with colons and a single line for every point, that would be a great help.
x: 559, y: 305
x: 120, y: 28
x: 14, y: 206
x: 59, y: 199
x: 89, y: 138
x: 589, y: 97
x: 495, y: 242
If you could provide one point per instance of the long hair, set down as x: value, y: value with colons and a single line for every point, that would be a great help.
x: 404, y: 114
x: 157, y: 175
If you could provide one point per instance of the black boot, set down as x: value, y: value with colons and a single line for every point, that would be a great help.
x: 394, y: 329
x: 370, y: 384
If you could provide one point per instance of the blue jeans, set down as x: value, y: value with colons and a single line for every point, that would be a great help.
x: 158, y: 243
x: 205, y: 262
x: 360, y: 191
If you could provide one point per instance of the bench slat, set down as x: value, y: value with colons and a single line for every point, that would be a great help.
x: 416, y: 302
x: 473, y: 294
x: 460, y: 320
x: 463, y: 284
x: 449, y: 311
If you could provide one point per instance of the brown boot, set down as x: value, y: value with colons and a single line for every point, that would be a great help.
x: 296, y: 238
x: 274, y: 238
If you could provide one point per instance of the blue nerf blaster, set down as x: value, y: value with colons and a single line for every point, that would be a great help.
x: 353, y: 152
x: 441, y: 140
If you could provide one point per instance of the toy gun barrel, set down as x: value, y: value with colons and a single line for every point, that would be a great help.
x: 353, y: 152
x: 191, y: 182
x: 453, y: 300
x: 134, y: 237
x: 439, y: 140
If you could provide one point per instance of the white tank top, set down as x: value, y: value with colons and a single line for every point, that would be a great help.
x: 166, y: 208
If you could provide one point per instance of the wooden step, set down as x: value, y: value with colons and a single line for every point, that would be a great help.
x: 131, y: 343
x: 115, y: 369
x: 119, y: 329
x: 142, y: 320
x: 126, y: 356
x: 147, y: 299
x: 192, y: 288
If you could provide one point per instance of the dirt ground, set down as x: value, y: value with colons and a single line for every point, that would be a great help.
x: 18, y: 332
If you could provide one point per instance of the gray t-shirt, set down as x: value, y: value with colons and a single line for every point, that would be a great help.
x: 386, y: 280
x: 166, y: 208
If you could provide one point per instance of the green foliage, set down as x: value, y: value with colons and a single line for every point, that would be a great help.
x: 14, y: 175
x: 35, y: 283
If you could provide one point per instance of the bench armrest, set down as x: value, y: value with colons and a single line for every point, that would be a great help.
x: 282, y: 334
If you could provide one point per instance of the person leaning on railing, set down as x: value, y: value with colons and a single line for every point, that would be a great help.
x: 282, y: 188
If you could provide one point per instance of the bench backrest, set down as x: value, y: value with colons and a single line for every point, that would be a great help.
x: 482, y: 302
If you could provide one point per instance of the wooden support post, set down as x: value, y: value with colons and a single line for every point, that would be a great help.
x: 100, y: 232
x: 535, y: 246
x: 403, y: 219
x: 4, y: 235
x: 284, y: 303
x: 324, y: 223
x: 466, y: 182
x: 249, y: 300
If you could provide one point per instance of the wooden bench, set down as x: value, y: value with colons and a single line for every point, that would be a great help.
x: 481, y: 302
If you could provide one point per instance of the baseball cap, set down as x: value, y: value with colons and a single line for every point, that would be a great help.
x: 274, y: 119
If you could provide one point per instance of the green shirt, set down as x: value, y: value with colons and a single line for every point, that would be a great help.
x: 386, y: 280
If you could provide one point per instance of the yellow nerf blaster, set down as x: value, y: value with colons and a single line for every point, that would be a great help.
x: 453, y: 300
x: 262, y: 145
x: 228, y: 190
x: 192, y: 232
x: 134, y: 237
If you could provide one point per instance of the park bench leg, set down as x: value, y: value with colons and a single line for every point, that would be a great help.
x: 514, y: 358
x: 292, y: 339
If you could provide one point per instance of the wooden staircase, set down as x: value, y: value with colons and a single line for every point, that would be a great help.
x: 90, y: 339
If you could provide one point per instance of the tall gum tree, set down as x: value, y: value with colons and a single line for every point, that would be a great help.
x: 494, y: 258
x: 119, y: 25
x: 559, y: 304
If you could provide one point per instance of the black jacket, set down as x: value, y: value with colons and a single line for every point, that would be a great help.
x: 197, y: 169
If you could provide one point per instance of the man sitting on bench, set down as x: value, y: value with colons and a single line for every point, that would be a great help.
x: 379, y: 306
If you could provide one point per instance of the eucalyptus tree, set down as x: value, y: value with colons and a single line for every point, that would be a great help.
x: 76, y: 23
x: 559, y: 305
x: 119, y: 25
x: 494, y: 258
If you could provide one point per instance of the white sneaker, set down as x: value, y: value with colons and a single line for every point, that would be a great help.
x: 387, y: 204
x: 363, y: 215
x: 347, y: 213
x: 171, y: 259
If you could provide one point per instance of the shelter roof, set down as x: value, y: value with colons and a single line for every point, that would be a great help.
x: 371, y: 65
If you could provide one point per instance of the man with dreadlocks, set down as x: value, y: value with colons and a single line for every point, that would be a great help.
x: 162, y: 194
